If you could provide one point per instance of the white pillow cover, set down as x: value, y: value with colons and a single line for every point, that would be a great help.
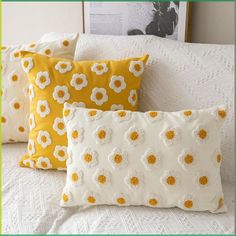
x: 177, y: 76
x: 15, y: 86
x: 157, y: 159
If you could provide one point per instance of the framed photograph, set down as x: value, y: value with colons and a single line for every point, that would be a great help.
x: 164, y: 19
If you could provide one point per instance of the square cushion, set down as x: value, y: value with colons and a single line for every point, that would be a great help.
x: 94, y: 84
x: 15, y: 97
x: 156, y: 159
x: 178, y: 76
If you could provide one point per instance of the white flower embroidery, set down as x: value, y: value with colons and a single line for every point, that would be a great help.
x: 99, y: 96
x: 93, y: 114
x: 116, y: 107
x: 43, y: 138
x: 202, y: 179
x: 170, y: 180
x: 42, y: 108
x: 42, y: 79
x: 90, y: 198
x: 66, y: 197
x: 134, y: 136
x: 31, y: 147
x: 187, y: 115
x: 151, y: 159
x: 169, y: 135
x: 44, y: 163
x: 187, y: 158
x: 220, y: 113
x: 136, y: 67
x: 201, y: 134
x: 31, y: 121
x: 122, y: 115
x: 154, y: 200
x: 89, y: 157
x: 217, y: 158
x: 14, y: 78
x: 16, y: 105
x: 68, y: 114
x: 134, y: 180
x: 99, y: 68
x: 133, y: 97
x: 15, y: 56
x: 75, y: 176
x: 76, y: 135
x: 63, y: 66
x: 61, y: 94
x: 102, y: 135
x: 118, y: 158
x: 47, y: 51
x: 59, y: 126
x: 121, y: 199
x: 117, y: 83
x: 153, y: 116
x: 79, y: 81
x: 187, y: 202
x: 102, y: 178
x: 27, y: 64
x: 60, y: 152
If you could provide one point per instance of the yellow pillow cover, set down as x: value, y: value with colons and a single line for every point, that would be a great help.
x: 105, y: 85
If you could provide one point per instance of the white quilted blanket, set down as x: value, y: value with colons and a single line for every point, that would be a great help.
x: 178, y: 76
x: 31, y: 205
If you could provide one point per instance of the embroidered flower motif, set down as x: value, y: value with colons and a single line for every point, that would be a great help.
x: 121, y: 199
x: 219, y: 202
x: 134, y: 136
x: 136, y: 67
x: 61, y: 94
x: 202, y: 180
x: 15, y: 56
x: 102, y: 178
x: 32, y: 46
x: 48, y: 52
x: 66, y: 197
x: 133, y: 97
x: 59, y: 126
x: 89, y: 157
x: 75, y: 176
x: 99, y: 96
x: 79, y: 104
x: 153, y: 116
x: 187, y: 115
x: 44, y: 163
x: 220, y: 113
x: 122, y: 115
x: 63, y: 66
x: 117, y: 83
x: 31, y: 92
x: 99, y: 68
x: 187, y: 158
x: 90, y: 197
x: 154, y: 200
x: 60, y: 152
x: 134, y: 180
x: 201, y: 134
x: 217, y: 158
x: 14, y: 78
x: 65, y: 43
x: 16, y: 105
x: 31, y: 147
x: 170, y: 179
x: 21, y: 129
x: 76, y: 135
x: 31, y: 121
x: 93, y: 114
x: 27, y: 64
x: 43, y: 138
x: 79, y: 81
x: 29, y: 163
x: 169, y: 136
x: 151, y: 159
x: 102, y: 135
x: 68, y: 114
x: 118, y: 158
x: 116, y: 107
x: 4, y: 119
x: 187, y: 202
x: 42, y: 108
x: 4, y: 48
x: 42, y: 79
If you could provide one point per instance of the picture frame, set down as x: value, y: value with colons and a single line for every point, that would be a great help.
x: 164, y: 19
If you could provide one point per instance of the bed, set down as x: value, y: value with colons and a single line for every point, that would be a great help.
x: 31, y: 205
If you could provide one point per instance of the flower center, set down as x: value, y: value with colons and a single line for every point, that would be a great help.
x: 171, y: 180
x: 187, y: 113
x: 42, y: 79
x: 88, y: 157
x: 134, y: 97
x: 102, y: 134
x: 218, y: 158
x: 188, y: 204
x: 61, y: 153
x: 118, y: 158
x: 170, y: 134
x: 44, y: 164
x: 151, y: 159
x: 134, y: 136
x: 122, y: 113
x: 202, y: 134
x: 117, y: 83
x: 99, y: 96
x: 21, y: 129
x: 63, y: 65
x: 92, y: 113
x: 14, y: 78
x: 134, y: 180
x: 137, y: 67
x: 44, y: 139
x: 79, y: 81
x: 222, y: 114
x: 4, y: 120
x: 91, y: 199
x: 203, y: 180
x: 61, y: 93
x: 102, y: 179
x: 16, y: 105
x: 99, y: 67
x: 153, y: 114
x: 120, y: 200
x: 47, y: 51
x: 65, y: 198
x: 16, y: 54
x: 75, y: 134
x: 42, y: 108
x: 74, y: 177
x: 153, y: 202
x: 66, y: 112
x: 61, y: 125
x: 188, y: 159
x: 66, y: 43
x: 220, y: 202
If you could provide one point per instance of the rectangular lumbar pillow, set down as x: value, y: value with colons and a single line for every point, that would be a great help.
x: 94, y: 84
x: 15, y: 85
x: 156, y: 159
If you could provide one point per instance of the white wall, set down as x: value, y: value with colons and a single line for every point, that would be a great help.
x: 213, y: 22
x: 25, y: 22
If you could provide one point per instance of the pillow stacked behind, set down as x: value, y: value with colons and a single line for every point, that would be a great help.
x: 15, y: 97
x: 157, y: 159
x: 94, y: 84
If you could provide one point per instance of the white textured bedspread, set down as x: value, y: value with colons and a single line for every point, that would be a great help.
x: 31, y: 205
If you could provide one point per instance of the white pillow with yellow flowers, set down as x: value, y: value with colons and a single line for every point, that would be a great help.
x: 156, y: 159
x: 15, y: 97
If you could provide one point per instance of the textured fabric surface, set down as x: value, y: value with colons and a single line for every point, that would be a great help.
x: 34, y: 208
x: 178, y: 76
x: 92, y: 84
x: 15, y: 85
x: 157, y: 159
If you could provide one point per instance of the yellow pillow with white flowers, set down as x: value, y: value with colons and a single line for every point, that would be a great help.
x: 105, y: 85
